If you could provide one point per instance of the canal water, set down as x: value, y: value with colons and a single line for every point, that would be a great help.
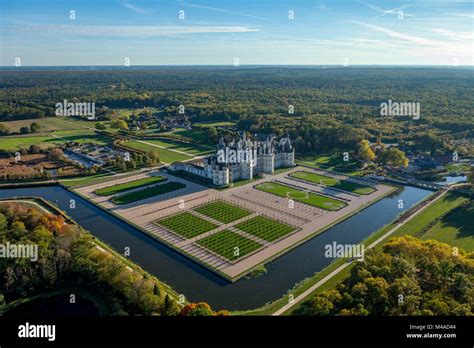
x: 195, y: 282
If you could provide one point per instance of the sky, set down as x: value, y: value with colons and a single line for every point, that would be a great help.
x: 236, y: 32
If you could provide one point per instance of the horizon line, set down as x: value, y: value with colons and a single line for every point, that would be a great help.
x: 232, y: 66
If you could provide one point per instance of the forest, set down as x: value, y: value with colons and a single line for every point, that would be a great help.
x: 322, y: 108
x: 408, y: 277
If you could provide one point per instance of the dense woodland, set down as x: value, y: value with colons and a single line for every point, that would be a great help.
x: 409, y: 277
x: 332, y: 107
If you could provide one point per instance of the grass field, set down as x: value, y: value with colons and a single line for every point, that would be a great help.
x: 52, y: 124
x: 111, y: 190
x: 223, y: 212
x: 192, y: 149
x: 14, y: 143
x: 265, y: 228
x: 439, y: 208
x: 458, y: 167
x: 47, y: 124
x: 332, y: 182
x: 216, y: 124
x: 166, y: 156
x: 456, y: 228
x: 186, y: 224
x: 229, y: 244
x: 309, y: 198
x: 334, y: 163
x: 196, y: 135
x: 147, y: 193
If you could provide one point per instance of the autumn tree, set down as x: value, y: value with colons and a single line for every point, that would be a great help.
x: 365, y: 152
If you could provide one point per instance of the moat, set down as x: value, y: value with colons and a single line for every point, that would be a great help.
x: 199, y: 284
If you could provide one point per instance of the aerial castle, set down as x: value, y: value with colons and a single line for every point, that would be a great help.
x: 240, y: 159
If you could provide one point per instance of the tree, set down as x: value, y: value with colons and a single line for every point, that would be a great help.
x: 35, y: 127
x: 407, y: 277
x: 24, y: 130
x: 100, y: 126
x: 212, y: 134
x: 365, y: 152
x: 56, y: 154
x: 394, y: 157
x: 119, y: 124
x: 154, y: 157
x: 4, y: 130
x: 320, y: 305
x: 34, y: 148
x: 197, y: 309
x: 170, y: 307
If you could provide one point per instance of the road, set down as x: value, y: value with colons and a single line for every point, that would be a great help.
x: 346, y: 264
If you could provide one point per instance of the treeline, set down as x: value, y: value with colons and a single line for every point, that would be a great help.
x: 408, y: 277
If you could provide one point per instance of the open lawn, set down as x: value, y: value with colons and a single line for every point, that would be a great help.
x: 458, y: 167
x: 216, y: 124
x: 456, y: 228
x: 223, y: 212
x: 332, y: 182
x: 166, y: 156
x: 196, y: 135
x: 192, y: 149
x: 186, y: 224
x: 419, y: 223
x: 15, y: 143
x: 47, y: 124
x: 264, y: 228
x: 229, y: 244
x: 147, y: 193
x: 334, y: 163
x: 301, y: 196
x: 111, y: 190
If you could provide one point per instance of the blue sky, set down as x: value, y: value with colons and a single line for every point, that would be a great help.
x: 106, y: 32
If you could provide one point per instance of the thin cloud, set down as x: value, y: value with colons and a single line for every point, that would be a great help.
x: 132, y: 7
x: 188, y: 4
x: 126, y: 31
x: 383, y: 12
x: 464, y: 15
x: 462, y: 47
x: 455, y: 34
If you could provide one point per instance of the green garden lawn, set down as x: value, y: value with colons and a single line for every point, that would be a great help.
x: 111, y: 190
x: 229, y: 244
x: 147, y: 193
x: 264, y: 228
x: 52, y: 139
x: 166, y: 156
x: 332, y: 182
x: 309, y: 198
x: 192, y: 149
x: 456, y: 228
x: 222, y: 212
x: 186, y: 224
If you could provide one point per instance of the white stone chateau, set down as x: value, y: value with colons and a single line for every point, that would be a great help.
x: 240, y: 159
